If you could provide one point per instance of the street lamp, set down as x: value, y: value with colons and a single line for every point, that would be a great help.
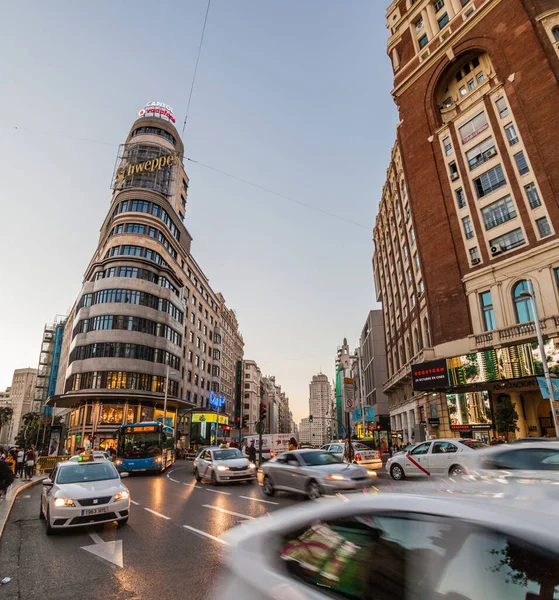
x: 166, y: 392
x: 531, y: 295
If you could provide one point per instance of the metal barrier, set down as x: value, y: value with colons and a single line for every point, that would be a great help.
x: 45, y: 464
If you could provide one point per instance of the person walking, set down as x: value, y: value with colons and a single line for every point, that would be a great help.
x: 292, y: 444
x: 30, y: 459
x: 19, y: 466
x: 6, y: 478
x: 251, y: 452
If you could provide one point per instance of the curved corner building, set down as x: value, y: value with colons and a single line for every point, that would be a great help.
x: 145, y: 306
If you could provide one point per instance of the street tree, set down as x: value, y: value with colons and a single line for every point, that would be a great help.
x: 506, y: 417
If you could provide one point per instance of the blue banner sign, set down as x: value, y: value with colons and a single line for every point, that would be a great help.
x: 545, y: 390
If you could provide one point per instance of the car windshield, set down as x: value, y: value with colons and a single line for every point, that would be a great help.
x: 361, y: 447
x: 316, y: 459
x: 81, y: 473
x: 227, y: 454
x: 473, y: 444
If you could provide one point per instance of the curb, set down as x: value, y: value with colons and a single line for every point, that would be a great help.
x: 19, y: 489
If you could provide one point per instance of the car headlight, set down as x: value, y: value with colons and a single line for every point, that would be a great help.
x: 335, y: 477
x: 59, y: 502
x: 222, y: 468
x: 371, y: 473
x: 251, y: 466
x: 118, y: 461
x: 158, y: 459
x: 122, y: 496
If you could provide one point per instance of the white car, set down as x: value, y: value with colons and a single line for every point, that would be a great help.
x: 475, y: 545
x: 363, y: 455
x: 82, y: 493
x: 221, y: 465
x: 97, y: 455
x: 538, y: 459
x: 450, y: 456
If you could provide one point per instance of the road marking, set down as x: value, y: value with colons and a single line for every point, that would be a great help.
x: 158, y: 514
x: 212, y: 537
x: 259, y: 500
x: 110, y: 551
x: 218, y: 491
x: 224, y: 510
x: 134, y: 502
x: 175, y: 480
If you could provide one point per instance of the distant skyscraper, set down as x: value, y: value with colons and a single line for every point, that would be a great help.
x: 21, y: 396
x: 320, y: 394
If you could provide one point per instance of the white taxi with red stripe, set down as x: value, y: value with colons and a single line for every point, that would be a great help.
x: 449, y: 456
x: 363, y: 454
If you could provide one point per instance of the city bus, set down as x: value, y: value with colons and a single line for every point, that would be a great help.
x: 147, y: 446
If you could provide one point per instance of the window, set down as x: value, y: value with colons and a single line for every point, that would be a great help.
x: 423, y: 41
x: 443, y: 448
x: 510, y: 240
x: 532, y: 195
x: 472, y: 84
x: 416, y: 339
x: 522, y: 305
x: 473, y: 127
x: 502, y: 107
x: 191, y: 337
x: 416, y: 261
x: 555, y: 32
x: 511, y: 134
x: 421, y: 449
x: 421, y: 286
x: 409, y: 276
x: 443, y: 21
x: 480, y: 77
x: 490, y: 181
x: 460, y: 198
x: 474, y: 255
x: 447, y: 146
x: 498, y: 213
x: 521, y: 163
x: 438, y: 5
x: 487, y: 311
x: 463, y: 90
x: 404, y: 189
x: 481, y: 153
x: 453, y: 171
x: 427, y: 333
x: 468, y: 230
x: 412, y: 236
x: 543, y: 227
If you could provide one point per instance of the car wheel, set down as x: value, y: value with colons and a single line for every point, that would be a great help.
x: 50, y: 530
x: 268, y: 486
x: 397, y: 473
x: 313, y: 490
x: 213, y: 478
x: 197, y: 476
x: 457, y: 470
x: 122, y: 522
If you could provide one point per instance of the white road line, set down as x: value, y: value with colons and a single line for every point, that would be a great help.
x: 218, y: 491
x: 212, y: 537
x: 134, y: 502
x: 175, y: 480
x: 158, y: 514
x: 229, y: 512
x: 259, y: 500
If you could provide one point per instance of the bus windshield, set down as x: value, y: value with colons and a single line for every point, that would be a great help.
x: 139, y: 444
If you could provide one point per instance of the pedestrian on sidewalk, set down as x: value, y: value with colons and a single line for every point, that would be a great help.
x: 20, y: 466
x: 251, y: 453
x: 6, y: 478
x: 30, y: 459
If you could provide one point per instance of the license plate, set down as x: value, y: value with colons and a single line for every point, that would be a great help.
x: 94, y: 511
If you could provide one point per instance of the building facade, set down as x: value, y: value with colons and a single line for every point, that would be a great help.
x: 22, y: 395
x: 252, y: 396
x: 49, y: 362
x: 470, y: 211
x: 5, y: 404
x: 320, y: 397
x: 305, y: 435
x: 146, y: 318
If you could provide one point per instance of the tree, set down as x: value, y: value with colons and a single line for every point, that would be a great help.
x: 5, y: 416
x: 506, y: 417
x: 30, y: 424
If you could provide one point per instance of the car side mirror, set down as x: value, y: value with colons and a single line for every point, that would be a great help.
x: 124, y: 474
x: 47, y: 482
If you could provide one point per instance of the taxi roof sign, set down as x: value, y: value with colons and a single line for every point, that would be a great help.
x: 85, y: 458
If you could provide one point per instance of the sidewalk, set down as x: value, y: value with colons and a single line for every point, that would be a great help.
x: 7, y: 502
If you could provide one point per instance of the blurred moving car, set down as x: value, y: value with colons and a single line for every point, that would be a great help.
x: 363, y: 454
x: 312, y: 473
x: 95, y: 455
x: 84, y: 492
x: 221, y: 465
x: 447, y: 546
x: 437, y: 457
x: 525, y: 460
x: 530, y: 440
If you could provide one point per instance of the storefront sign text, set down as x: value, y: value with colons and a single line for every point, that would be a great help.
x: 153, y: 164
x: 431, y: 375
x: 210, y: 418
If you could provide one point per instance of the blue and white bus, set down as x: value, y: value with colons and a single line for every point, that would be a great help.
x: 148, y: 446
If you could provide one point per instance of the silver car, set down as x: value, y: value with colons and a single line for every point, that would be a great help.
x: 312, y: 473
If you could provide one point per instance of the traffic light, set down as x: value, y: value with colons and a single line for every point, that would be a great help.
x: 310, y: 418
x: 262, y: 414
x: 245, y: 420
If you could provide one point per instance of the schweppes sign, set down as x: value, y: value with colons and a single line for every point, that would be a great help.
x: 148, y: 166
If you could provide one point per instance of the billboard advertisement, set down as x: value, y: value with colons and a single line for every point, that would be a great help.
x: 429, y: 376
x: 55, y: 440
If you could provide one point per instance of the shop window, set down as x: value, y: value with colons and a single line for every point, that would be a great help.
x: 522, y: 305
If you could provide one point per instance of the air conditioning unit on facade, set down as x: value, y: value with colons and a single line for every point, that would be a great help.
x: 491, y: 153
x: 496, y: 249
x: 454, y: 176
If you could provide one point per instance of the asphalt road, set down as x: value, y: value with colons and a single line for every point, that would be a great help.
x: 170, y: 547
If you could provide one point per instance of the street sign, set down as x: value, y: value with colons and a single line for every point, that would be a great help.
x: 260, y: 427
x: 349, y: 395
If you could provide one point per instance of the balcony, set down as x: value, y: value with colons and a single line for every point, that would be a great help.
x: 523, y: 332
x: 403, y: 375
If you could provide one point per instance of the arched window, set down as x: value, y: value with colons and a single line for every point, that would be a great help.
x: 409, y: 348
x: 396, y: 362
x: 402, y: 355
x: 555, y: 32
x: 522, y: 305
x: 404, y: 189
x: 427, y: 334
x: 416, y: 339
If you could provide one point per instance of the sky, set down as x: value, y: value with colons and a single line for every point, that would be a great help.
x: 291, y: 95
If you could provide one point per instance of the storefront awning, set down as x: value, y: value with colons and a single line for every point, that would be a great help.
x: 116, y: 397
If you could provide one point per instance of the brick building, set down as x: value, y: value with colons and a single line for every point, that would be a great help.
x: 470, y: 210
